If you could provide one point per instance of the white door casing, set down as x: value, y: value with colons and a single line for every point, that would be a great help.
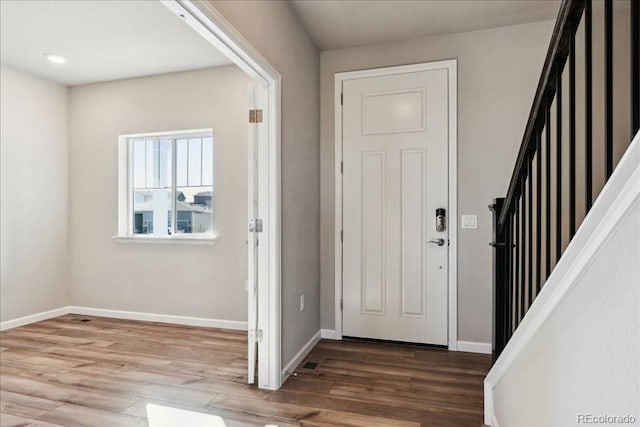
x: 395, y: 142
x: 258, y: 286
x: 252, y: 240
x: 265, y: 299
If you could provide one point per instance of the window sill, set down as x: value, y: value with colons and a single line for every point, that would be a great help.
x: 169, y: 240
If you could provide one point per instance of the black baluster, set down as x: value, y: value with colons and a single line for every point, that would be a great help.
x: 572, y: 136
x: 523, y: 234
x: 635, y: 67
x: 588, y: 106
x: 559, y: 167
x: 608, y: 91
x: 547, y: 191
x: 538, y: 209
x: 530, y: 229
x: 509, y: 249
x: 518, y: 261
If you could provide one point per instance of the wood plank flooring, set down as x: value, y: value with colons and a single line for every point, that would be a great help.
x: 92, y: 371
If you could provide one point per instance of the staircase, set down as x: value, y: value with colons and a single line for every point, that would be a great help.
x: 566, y: 236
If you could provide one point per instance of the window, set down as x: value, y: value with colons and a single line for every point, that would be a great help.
x: 169, y: 185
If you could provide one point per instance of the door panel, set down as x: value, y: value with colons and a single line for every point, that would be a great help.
x: 395, y: 138
x: 373, y: 249
x: 392, y: 112
x: 413, y: 199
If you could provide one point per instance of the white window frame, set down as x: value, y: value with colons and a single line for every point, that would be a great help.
x: 126, y: 190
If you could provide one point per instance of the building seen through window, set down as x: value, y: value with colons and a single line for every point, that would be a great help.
x: 172, y: 181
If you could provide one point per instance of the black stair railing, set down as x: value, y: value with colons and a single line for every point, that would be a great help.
x: 534, y: 222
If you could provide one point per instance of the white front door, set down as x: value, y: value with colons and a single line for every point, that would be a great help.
x: 395, y: 176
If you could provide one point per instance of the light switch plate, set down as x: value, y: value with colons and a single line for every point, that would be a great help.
x: 469, y: 221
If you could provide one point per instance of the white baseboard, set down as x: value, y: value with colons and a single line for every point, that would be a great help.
x: 474, y: 347
x: 165, y: 318
x: 129, y: 315
x: 489, y: 414
x: 329, y: 334
x: 32, y: 318
x: 466, y: 346
x: 299, y: 357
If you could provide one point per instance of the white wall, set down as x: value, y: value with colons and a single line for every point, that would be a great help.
x: 498, y: 71
x: 273, y: 30
x: 578, y: 349
x: 186, y: 280
x: 34, y: 216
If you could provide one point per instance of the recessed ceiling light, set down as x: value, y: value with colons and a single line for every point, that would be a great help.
x: 55, y: 59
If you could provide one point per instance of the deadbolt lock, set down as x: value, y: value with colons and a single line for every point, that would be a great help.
x: 441, y: 221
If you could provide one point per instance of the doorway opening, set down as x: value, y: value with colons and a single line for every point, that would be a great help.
x: 264, y: 187
x: 140, y: 160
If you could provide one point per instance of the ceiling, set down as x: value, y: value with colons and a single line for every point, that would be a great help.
x: 102, y: 40
x: 335, y: 24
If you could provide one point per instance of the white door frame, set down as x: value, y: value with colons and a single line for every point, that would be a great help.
x: 451, y: 66
x: 208, y: 22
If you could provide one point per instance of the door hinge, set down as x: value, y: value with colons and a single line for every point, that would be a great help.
x: 255, y: 116
x: 341, y: 236
x: 341, y: 99
x: 256, y: 335
x: 255, y: 225
x: 341, y: 304
x: 341, y: 167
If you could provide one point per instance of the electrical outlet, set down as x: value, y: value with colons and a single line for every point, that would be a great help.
x: 302, y: 302
x: 469, y: 221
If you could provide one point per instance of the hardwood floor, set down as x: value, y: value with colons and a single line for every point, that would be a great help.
x: 91, y: 371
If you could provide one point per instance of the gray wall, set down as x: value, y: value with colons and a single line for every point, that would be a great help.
x: 176, y: 279
x: 498, y: 71
x: 273, y: 29
x: 34, y: 152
